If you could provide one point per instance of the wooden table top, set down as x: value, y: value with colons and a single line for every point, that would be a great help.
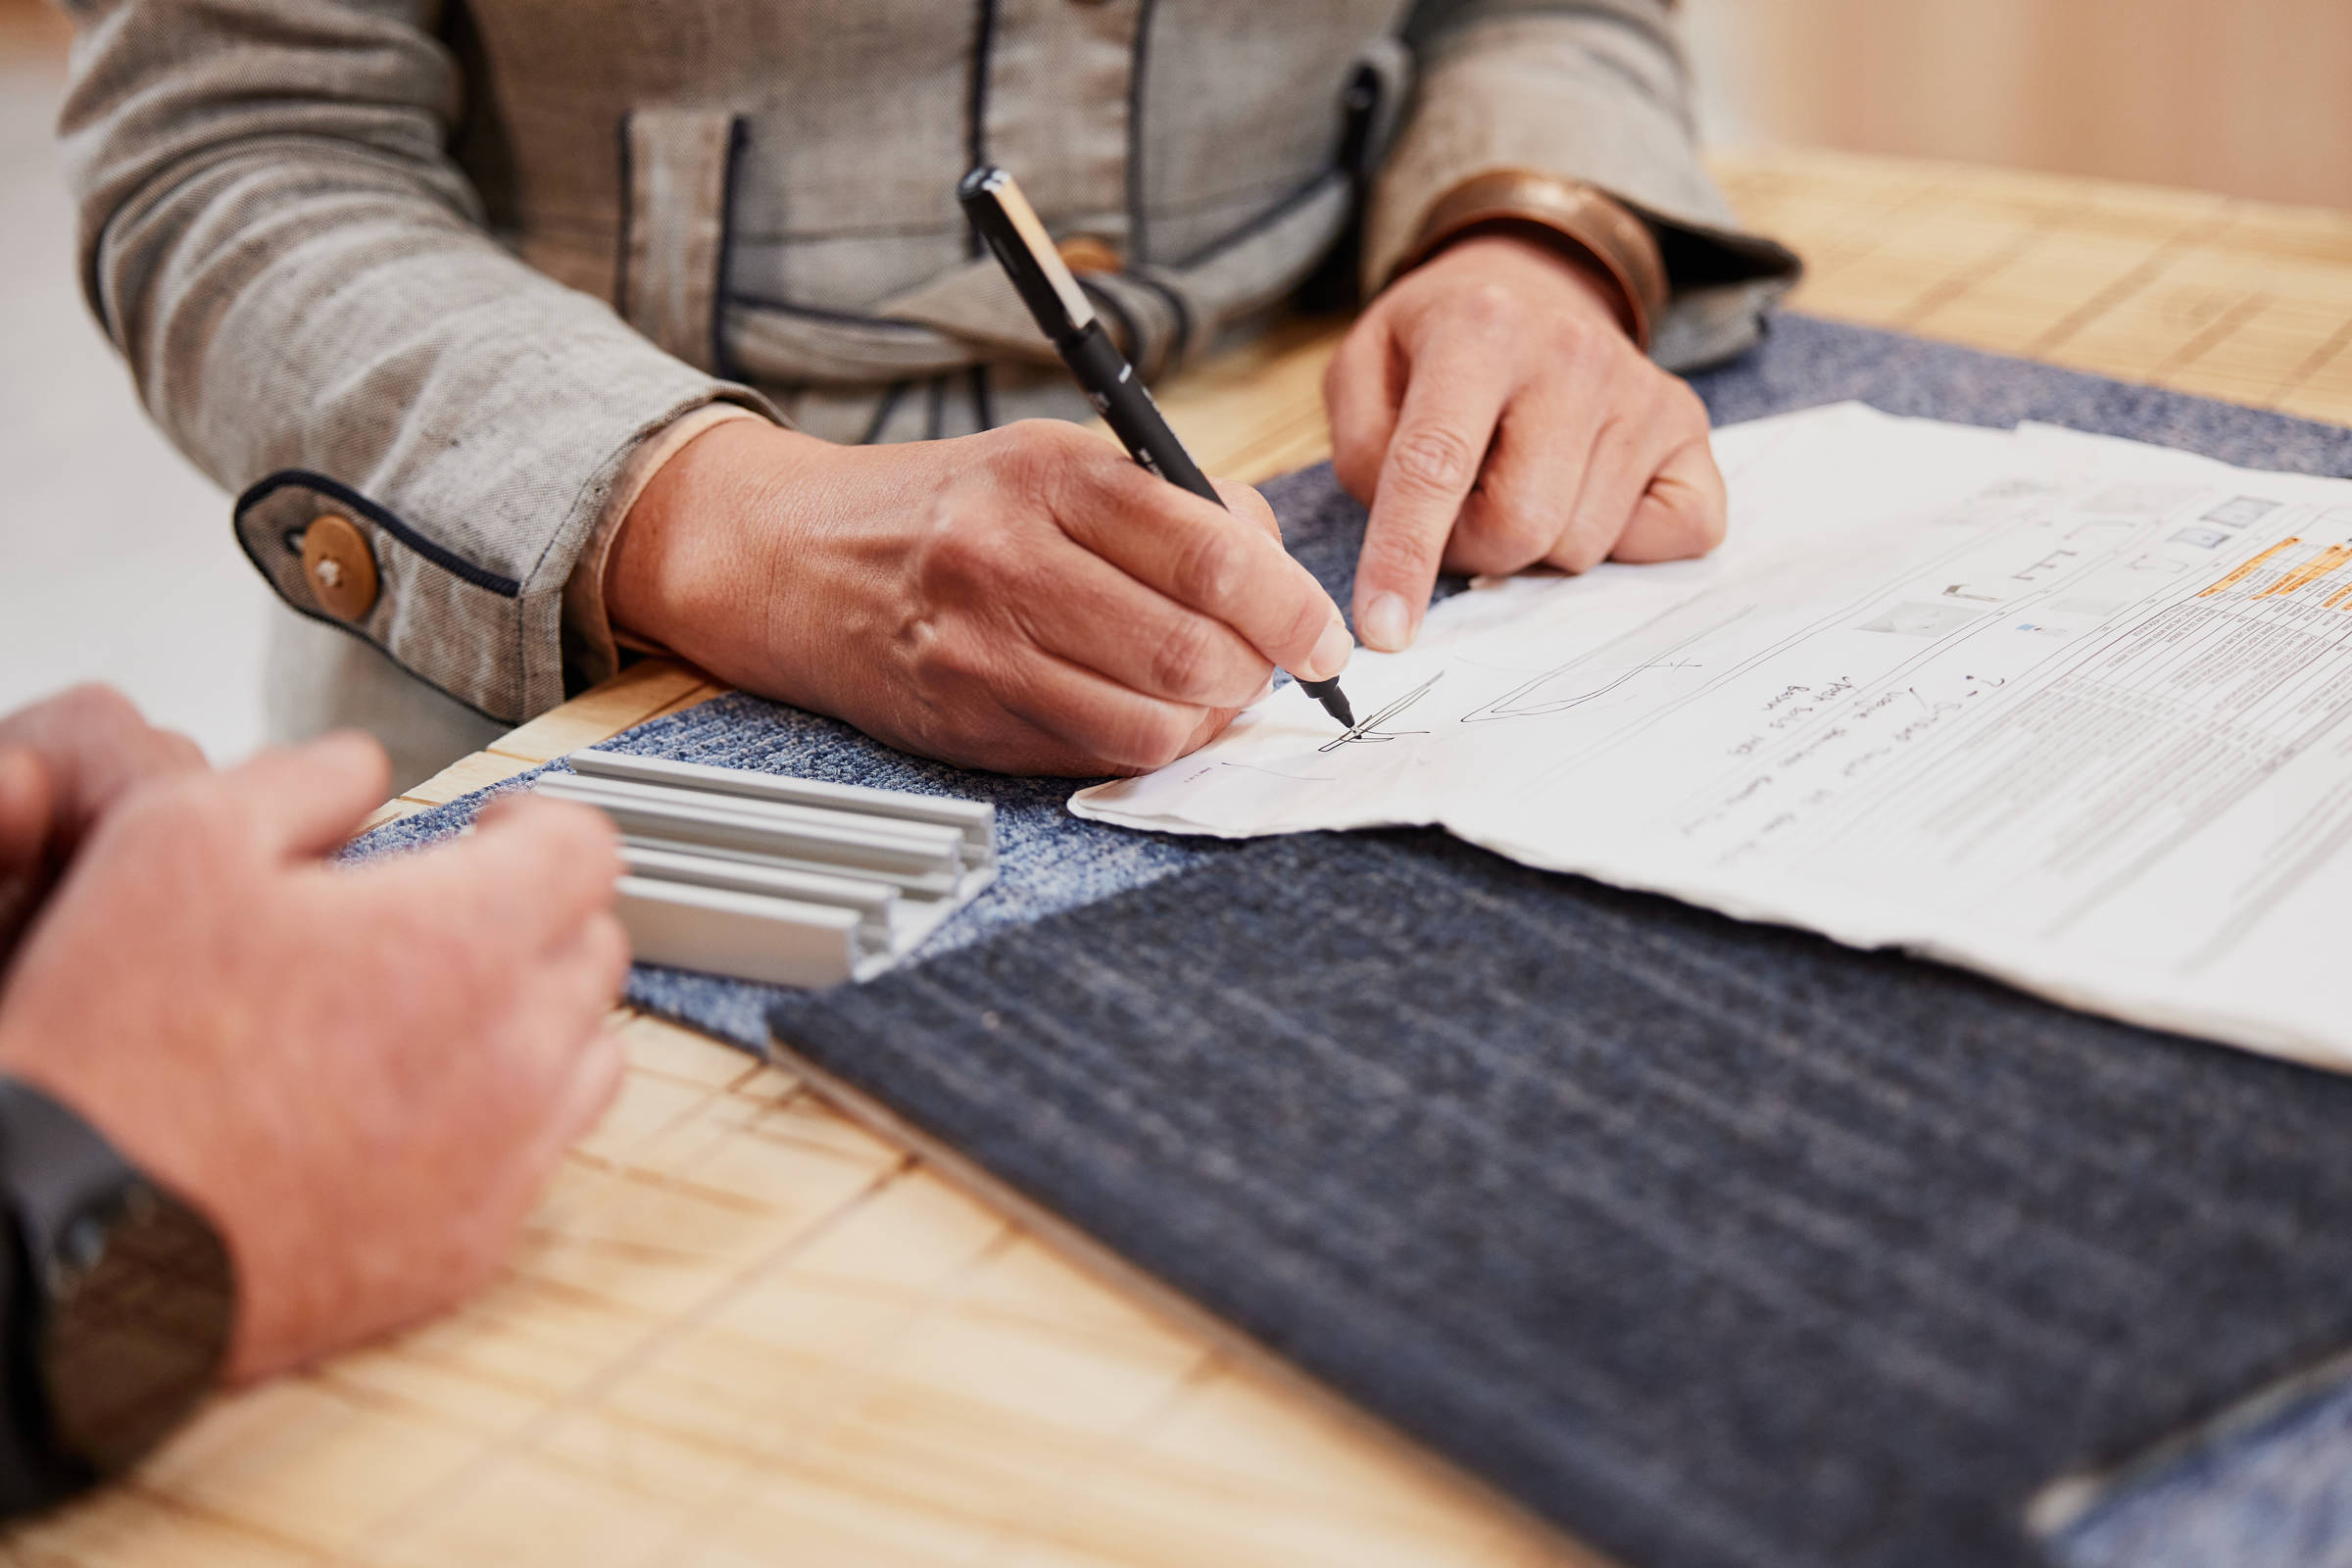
x: 752, y: 1325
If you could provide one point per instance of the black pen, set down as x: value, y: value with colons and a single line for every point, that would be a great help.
x: 1013, y: 232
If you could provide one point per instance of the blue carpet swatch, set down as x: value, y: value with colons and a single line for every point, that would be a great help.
x: 1718, y: 1243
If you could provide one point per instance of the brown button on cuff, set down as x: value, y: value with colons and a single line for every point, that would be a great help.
x: 1091, y: 252
x: 339, y: 567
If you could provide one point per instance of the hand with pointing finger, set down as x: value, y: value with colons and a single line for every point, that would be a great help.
x: 1494, y: 413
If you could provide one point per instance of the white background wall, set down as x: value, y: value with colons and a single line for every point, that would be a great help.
x: 115, y: 558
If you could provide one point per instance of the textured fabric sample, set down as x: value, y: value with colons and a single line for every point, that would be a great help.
x: 1717, y: 1243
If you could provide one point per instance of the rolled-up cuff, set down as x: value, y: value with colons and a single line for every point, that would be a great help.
x: 591, y: 651
x: 1583, y: 217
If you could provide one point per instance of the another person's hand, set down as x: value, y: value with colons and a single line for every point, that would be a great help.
x: 1026, y: 600
x: 1491, y: 409
x: 360, y: 1076
x: 63, y: 762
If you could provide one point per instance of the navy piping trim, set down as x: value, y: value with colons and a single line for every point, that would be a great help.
x: 739, y: 137
x: 1184, y: 318
x: 628, y: 201
x: 1108, y: 304
x: 984, y: 43
x: 984, y: 398
x: 347, y: 628
x: 1250, y: 228
x: 818, y: 313
x: 882, y: 412
x: 447, y: 561
x: 1139, y: 238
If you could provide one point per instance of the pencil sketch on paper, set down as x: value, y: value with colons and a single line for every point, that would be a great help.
x: 1370, y: 731
x: 1545, y: 694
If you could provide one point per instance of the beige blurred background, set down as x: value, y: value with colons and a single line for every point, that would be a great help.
x: 115, y: 559
x: 2249, y: 97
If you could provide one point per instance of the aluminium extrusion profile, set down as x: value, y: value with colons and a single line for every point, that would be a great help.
x: 910, y: 855
x: 783, y: 881
x: 976, y: 820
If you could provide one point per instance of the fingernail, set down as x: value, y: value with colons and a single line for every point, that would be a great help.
x: 1331, y: 653
x: 1387, y: 624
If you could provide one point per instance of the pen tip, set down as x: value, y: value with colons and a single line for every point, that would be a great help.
x: 1335, y: 702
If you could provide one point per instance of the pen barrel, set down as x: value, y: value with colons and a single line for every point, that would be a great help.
x: 1126, y: 405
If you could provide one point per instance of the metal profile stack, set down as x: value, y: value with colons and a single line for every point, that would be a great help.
x: 786, y: 881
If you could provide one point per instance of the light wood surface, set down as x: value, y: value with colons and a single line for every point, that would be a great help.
x: 748, y: 1328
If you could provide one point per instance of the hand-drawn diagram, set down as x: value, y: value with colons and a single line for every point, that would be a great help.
x: 1369, y: 731
x: 1553, y: 692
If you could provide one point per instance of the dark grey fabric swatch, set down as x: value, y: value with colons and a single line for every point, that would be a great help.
x: 1716, y: 1242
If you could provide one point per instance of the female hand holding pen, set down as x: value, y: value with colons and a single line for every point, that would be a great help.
x: 1027, y: 600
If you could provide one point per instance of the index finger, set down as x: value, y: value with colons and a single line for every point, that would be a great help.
x: 1451, y: 407
x: 1227, y: 564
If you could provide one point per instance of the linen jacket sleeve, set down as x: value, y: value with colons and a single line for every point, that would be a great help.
x: 1595, y: 91
x: 273, y: 233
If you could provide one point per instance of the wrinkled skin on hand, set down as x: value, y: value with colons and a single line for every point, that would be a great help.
x: 1029, y: 600
x: 363, y: 1076
x: 1492, y: 411
x: 1026, y: 600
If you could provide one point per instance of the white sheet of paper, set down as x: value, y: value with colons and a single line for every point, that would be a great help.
x: 2068, y: 709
